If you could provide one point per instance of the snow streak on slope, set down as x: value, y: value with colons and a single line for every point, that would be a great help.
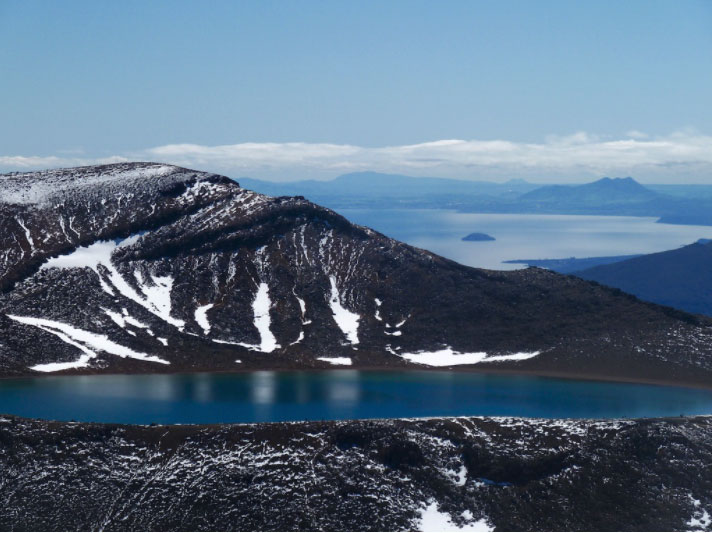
x: 201, y: 317
x: 449, y: 357
x: 86, y: 341
x: 345, y: 319
x: 260, y: 307
x: 156, y: 296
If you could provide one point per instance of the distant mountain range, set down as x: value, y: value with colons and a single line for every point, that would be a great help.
x: 674, y: 204
x: 373, y: 189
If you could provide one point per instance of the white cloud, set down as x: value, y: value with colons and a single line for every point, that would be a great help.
x: 636, y: 134
x: 680, y: 156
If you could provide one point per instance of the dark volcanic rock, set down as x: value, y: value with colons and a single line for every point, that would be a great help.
x: 508, y: 474
x: 140, y: 267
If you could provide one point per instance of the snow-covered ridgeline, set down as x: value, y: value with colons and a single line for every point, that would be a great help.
x: 449, y: 357
x: 155, y: 297
x: 86, y: 341
x: 20, y: 189
x: 345, y: 319
x: 201, y: 317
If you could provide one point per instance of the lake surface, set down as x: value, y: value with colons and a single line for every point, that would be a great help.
x: 525, y: 236
x: 334, y: 395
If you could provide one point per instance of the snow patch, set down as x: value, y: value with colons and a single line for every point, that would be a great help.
x: 86, y: 341
x: 449, y: 357
x: 303, y: 308
x: 431, y: 519
x: 123, y: 319
x: 458, y: 477
x: 28, y: 236
x: 299, y: 339
x: 700, y: 518
x: 337, y: 360
x: 260, y: 307
x: 345, y: 319
x: 377, y: 314
x: 157, y: 297
x: 201, y: 317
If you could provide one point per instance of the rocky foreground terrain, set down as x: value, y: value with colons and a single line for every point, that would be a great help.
x: 469, y: 473
x: 141, y: 267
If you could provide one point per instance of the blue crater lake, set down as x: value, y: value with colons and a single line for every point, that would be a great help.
x: 335, y: 395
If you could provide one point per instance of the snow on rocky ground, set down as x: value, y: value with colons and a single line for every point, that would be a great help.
x: 449, y: 357
x: 201, y: 317
x: 261, y: 307
x: 386, y: 475
x: 700, y: 520
x: 432, y: 519
x: 18, y: 189
x: 345, y: 319
x: 89, y: 343
x: 343, y: 361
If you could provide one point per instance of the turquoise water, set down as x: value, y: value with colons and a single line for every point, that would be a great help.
x: 334, y: 395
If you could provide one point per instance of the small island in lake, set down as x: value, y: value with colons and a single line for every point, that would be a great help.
x: 476, y: 237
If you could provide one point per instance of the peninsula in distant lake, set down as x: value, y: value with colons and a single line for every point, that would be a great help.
x: 478, y: 237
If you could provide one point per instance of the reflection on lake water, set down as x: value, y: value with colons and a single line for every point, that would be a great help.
x: 339, y: 394
x: 525, y: 236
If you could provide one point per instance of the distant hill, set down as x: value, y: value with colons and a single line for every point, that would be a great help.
x: 477, y: 237
x: 606, y: 191
x: 679, y: 278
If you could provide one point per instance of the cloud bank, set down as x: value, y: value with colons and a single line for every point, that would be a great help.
x: 682, y: 156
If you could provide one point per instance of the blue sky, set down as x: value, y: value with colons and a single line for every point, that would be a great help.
x: 569, y: 90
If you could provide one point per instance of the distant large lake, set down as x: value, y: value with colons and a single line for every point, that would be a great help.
x: 525, y: 236
x: 334, y: 395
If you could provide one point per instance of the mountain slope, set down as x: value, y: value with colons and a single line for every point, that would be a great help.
x: 679, y: 278
x: 150, y: 268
